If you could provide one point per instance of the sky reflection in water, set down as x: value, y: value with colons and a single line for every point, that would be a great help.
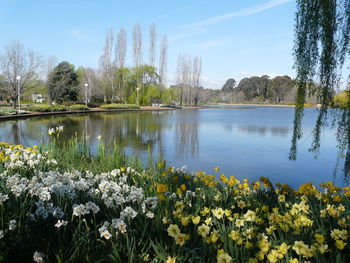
x: 248, y: 142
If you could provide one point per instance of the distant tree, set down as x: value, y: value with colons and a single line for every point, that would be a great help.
x: 121, y: 48
x: 152, y: 45
x: 19, y: 67
x: 163, y: 60
x: 137, y: 45
x: 137, y: 53
x: 280, y: 87
x: 229, y: 85
x: 120, y: 54
x: 88, y: 83
x: 252, y: 87
x: 168, y: 96
x: 50, y: 63
x: 153, y: 95
x: 196, y: 78
x: 126, y: 83
x: 180, y: 78
x: 265, y: 82
x: 3, y: 90
x: 107, y: 67
x: 63, y: 83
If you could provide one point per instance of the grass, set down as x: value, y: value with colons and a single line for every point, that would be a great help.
x: 72, y: 206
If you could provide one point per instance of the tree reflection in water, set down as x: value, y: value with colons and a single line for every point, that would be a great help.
x: 186, y: 136
x: 134, y: 132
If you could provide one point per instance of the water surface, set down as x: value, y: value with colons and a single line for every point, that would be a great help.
x: 243, y: 141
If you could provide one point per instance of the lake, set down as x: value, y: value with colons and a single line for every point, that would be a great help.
x: 247, y: 142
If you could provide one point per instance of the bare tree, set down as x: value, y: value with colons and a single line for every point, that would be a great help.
x: 186, y: 77
x: 50, y: 64
x: 183, y: 75
x: 137, y: 45
x: 120, y: 54
x: 19, y: 67
x: 106, y: 65
x: 196, y: 75
x: 188, y: 74
x: 120, y: 48
x: 178, y: 76
x: 163, y: 60
x: 87, y: 82
x: 152, y: 45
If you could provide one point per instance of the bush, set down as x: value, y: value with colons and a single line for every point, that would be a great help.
x: 67, y: 103
x: 342, y: 100
x: 7, y: 111
x: 11, y: 111
x: 119, y: 106
x: 78, y: 107
x: 94, y: 104
x: 46, y: 108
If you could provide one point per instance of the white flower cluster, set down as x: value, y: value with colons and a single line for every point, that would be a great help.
x: 16, y: 156
x: 12, y: 225
x: 38, y: 257
x: 3, y: 198
x: 71, y: 194
x: 80, y: 210
x: 56, y: 130
x: 116, y: 226
x: 45, y: 209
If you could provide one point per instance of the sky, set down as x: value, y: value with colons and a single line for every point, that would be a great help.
x: 235, y: 38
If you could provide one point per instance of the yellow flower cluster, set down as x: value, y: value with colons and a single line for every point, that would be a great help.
x: 174, y: 231
x: 271, y: 224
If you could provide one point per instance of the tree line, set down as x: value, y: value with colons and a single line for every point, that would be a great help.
x: 255, y: 89
x: 23, y: 73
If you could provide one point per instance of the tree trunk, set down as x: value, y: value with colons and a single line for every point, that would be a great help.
x: 181, y: 96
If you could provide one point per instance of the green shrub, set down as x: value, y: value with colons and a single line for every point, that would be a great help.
x: 46, y: 108
x: 11, y: 111
x: 78, y: 107
x: 94, y: 104
x: 342, y: 100
x: 118, y: 106
x: 7, y: 111
x: 67, y: 103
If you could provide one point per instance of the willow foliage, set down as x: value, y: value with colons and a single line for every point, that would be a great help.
x: 321, y: 48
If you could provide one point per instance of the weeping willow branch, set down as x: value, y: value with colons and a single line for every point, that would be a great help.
x: 322, y: 46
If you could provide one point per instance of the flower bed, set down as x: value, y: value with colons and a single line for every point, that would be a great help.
x: 46, y: 108
x: 53, y: 213
x: 118, y: 106
x: 78, y: 107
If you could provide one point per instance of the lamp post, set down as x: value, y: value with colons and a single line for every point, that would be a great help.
x: 86, y: 93
x: 137, y: 96
x: 18, y: 78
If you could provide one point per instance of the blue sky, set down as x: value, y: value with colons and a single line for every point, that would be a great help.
x: 235, y: 38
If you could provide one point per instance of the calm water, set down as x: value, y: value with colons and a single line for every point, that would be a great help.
x: 244, y: 142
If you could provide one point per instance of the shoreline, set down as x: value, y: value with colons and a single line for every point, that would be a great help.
x: 96, y: 110
x: 256, y: 104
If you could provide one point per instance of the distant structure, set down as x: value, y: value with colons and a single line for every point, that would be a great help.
x: 37, y: 98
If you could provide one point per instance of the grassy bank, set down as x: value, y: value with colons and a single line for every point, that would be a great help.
x: 58, y: 203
